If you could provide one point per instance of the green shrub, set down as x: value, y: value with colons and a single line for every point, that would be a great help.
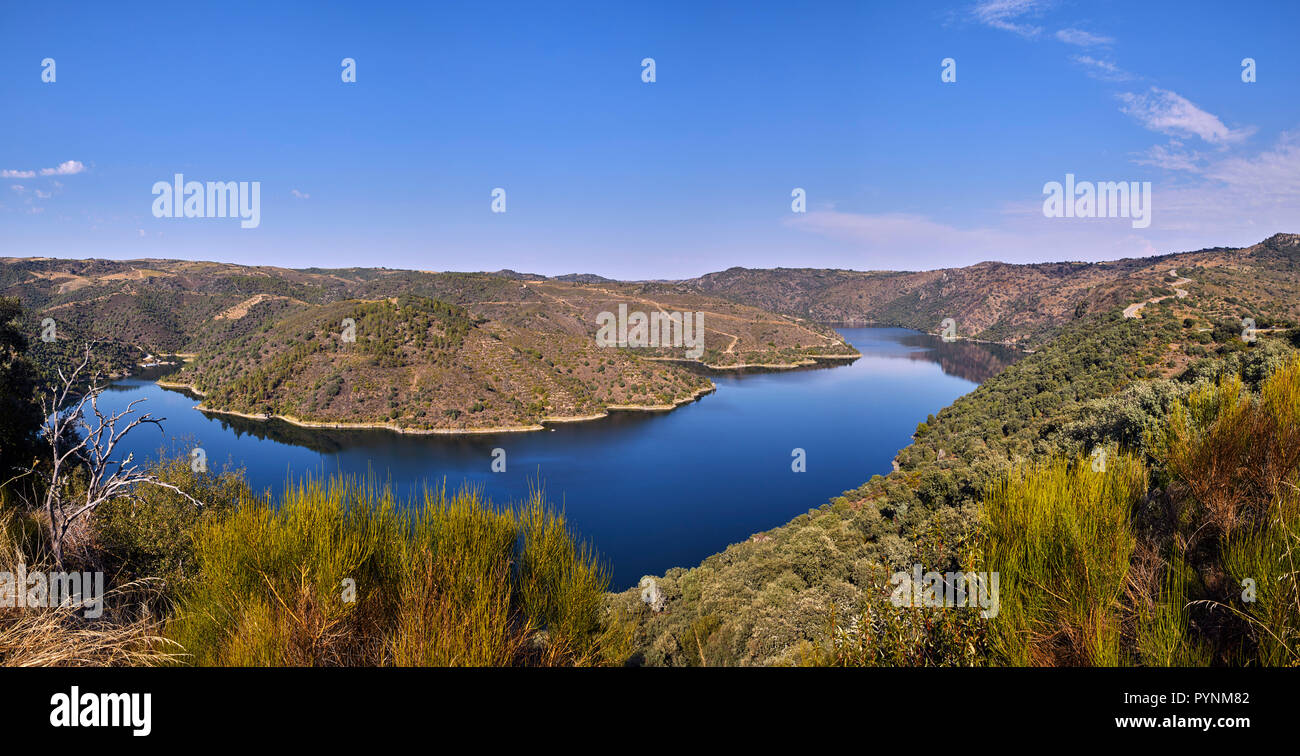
x: 150, y: 534
x: 1058, y: 534
x: 341, y: 574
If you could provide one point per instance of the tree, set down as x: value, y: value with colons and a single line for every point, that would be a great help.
x: 76, y: 442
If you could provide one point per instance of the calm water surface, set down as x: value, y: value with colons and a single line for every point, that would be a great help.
x: 651, y: 490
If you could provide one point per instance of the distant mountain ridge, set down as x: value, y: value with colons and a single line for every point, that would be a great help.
x: 515, y: 275
x: 1011, y: 303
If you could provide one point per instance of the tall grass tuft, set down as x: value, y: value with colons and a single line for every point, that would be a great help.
x: 1164, y: 637
x: 343, y: 574
x: 1268, y: 555
x: 1059, y: 535
x: 561, y: 582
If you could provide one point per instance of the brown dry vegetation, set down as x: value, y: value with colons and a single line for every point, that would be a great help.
x: 268, y: 341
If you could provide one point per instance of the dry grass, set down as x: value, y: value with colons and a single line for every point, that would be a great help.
x: 61, y: 636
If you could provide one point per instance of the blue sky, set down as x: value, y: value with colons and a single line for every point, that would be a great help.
x: 606, y: 173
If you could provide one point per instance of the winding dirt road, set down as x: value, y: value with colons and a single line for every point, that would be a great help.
x: 1133, y: 310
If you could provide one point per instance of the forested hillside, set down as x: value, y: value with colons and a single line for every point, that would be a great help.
x: 794, y: 594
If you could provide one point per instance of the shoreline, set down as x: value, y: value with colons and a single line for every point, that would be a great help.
x: 541, y: 425
x: 812, y: 359
x: 865, y: 324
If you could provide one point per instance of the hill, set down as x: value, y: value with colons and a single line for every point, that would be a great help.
x: 425, y: 351
x: 1102, y: 379
x: 1017, y: 304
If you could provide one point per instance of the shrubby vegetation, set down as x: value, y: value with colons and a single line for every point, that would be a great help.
x: 1179, y: 552
x: 333, y: 573
x: 815, y: 590
x: 1058, y: 534
x: 343, y: 574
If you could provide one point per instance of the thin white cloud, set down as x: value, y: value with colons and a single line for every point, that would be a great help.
x: 66, y: 168
x: 1171, y: 157
x: 299, y: 195
x: 902, y: 241
x: 1207, y: 200
x: 1102, y: 69
x: 1171, y: 113
x: 1272, y: 176
x: 43, y: 195
x: 897, y: 231
x: 17, y: 188
x: 1010, y: 15
x: 1082, y: 38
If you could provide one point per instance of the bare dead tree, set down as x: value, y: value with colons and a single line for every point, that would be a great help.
x: 76, y: 441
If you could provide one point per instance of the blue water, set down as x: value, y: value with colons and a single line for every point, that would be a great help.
x: 650, y: 490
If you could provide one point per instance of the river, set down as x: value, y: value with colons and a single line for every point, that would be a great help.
x: 650, y: 490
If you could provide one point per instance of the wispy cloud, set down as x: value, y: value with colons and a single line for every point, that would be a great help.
x: 1082, y: 38
x: 1011, y: 15
x: 899, y: 232
x: 1171, y: 157
x: 1102, y: 69
x: 1273, y: 175
x: 299, y: 195
x: 1211, y: 199
x: 1244, y: 197
x: 1171, y: 113
x: 66, y: 168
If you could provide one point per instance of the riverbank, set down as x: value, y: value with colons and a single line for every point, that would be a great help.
x: 809, y: 361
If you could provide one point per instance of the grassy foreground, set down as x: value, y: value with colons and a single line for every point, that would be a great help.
x: 334, y: 573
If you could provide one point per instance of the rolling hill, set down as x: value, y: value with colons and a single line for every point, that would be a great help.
x: 435, y: 352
